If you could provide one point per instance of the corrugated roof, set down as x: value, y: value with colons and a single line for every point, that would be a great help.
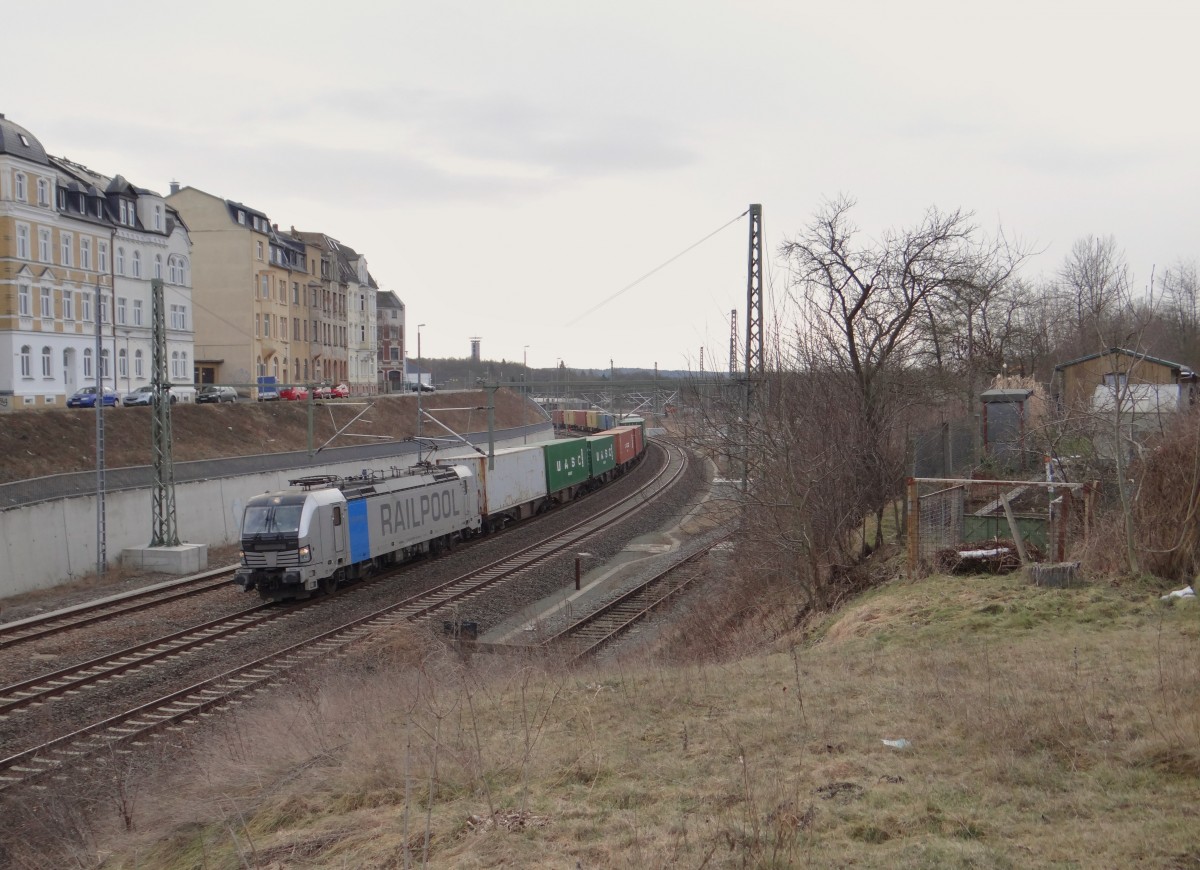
x: 1121, y: 350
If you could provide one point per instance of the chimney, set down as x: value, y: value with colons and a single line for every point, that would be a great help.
x: 174, y: 187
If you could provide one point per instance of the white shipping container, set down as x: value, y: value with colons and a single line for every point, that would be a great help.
x: 517, y: 480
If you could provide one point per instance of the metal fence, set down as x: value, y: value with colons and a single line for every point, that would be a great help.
x: 956, y: 521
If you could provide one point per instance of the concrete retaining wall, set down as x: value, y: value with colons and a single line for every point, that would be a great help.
x: 52, y: 541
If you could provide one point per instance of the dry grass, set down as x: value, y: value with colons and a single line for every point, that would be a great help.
x: 1047, y: 728
x: 56, y: 440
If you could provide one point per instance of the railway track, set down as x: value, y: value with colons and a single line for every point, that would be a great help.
x: 89, y: 613
x: 589, y: 634
x: 52, y: 757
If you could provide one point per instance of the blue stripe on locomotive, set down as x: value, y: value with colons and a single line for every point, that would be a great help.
x: 360, y: 535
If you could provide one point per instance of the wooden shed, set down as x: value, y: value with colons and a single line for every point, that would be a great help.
x: 1084, y: 384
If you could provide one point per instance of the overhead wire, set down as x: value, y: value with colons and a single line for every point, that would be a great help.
x: 656, y: 269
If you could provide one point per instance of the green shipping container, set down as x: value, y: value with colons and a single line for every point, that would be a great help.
x: 566, y: 463
x: 602, y: 453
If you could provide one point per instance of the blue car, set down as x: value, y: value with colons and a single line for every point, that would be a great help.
x: 86, y: 398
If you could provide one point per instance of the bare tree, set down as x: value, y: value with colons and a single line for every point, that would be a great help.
x: 861, y: 303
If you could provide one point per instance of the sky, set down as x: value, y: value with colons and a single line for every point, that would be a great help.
x: 509, y: 168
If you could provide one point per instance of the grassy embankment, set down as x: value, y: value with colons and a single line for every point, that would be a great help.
x: 1045, y: 728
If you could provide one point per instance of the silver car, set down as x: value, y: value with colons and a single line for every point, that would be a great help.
x: 144, y: 396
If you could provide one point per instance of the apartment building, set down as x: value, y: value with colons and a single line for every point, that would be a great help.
x: 361, y: 291
x: 77, y: 246
x: 390, y: 341
x: 247, y: 282
x: 328, y: 312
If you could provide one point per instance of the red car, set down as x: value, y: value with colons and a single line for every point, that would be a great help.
x: 341, y: 391
x: 294, y: 394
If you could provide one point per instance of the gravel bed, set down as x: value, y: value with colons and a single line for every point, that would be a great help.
x: 29, y: 726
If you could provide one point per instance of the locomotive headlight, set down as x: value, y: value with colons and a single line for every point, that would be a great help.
x: 306, y: 553
x: 242, y: 556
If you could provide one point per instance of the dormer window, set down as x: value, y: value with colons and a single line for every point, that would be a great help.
x: 24, y: 140
x: 124, y: 216
x: 158, y: 217
x: 241, y: 217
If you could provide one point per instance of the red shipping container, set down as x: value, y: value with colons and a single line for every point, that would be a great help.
x: 625, y: 441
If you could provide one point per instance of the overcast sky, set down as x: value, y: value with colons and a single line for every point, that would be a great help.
x: 505, y: 167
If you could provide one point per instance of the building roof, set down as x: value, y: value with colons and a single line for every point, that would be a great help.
x: 19, y: 142
x: 1179, y: 367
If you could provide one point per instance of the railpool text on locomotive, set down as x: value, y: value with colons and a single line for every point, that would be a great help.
x: 412, y: 513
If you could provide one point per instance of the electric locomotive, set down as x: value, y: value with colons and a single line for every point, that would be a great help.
x: 327, y: 530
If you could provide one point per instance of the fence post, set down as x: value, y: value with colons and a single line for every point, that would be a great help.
x: 914, y: 527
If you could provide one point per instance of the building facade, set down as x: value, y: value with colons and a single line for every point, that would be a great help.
x: 79, y: 249
x: 390, y: 342
x: 247, y: 282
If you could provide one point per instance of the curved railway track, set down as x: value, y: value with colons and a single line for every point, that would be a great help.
x: 51, y: 757
x: 589, y: 634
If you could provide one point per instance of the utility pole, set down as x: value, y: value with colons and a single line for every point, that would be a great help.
x: 754, y: 318
x: 163, y: 531
x: 101, y: 531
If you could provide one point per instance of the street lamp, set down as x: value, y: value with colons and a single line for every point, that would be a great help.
x: 419, y: 384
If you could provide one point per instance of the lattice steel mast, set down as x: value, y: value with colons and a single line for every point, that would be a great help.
x: 164, y: 532
x: 754, y: 320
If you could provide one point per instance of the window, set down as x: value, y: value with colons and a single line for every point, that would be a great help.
x: 120, y: 261
x: 122, y: 363
x: 85, y: 307
x: 102, y: 256
x: 43, y: 244
x: 178, y: 317
x: 26, y: 364
x: 266, y: 326
x: 68, y: 305
x: 103, y: 309
x: 257, y: 325
x: 258, y: 248
x: 121, y: 309
x: 124, y: 212
x: 266, y: 287
x: 295, y: 293
x: 46, y: 363
x: 66, y: 239
x: 137, y: 363
x: 25, y: 300
x: 20, y: 187
x: 295, y: 329
x: 43, y: 192
x: 137, y: 264
x: 158, y: 217
x: 158, y: 266
x: 104, y: 364
x: 85, y: 253
x: 132, y: 215
x: 241, y: 217
x: 173, y: 270
x: 261, y: 368
x: 174, y: 364
x: 137, y: 312
x: 22, y: 241
x: 87, y: 362
x: 275, y: 367
x: 47, y: 303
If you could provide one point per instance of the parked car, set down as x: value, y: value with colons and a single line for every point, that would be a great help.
x: 268, y: 393
x: 213, y: 394
x: 294, y: 394
x: 143, y: 396
x: 421, y: 387
x: 341, y: 391
x: 86, y: 398
x: 322, y: 391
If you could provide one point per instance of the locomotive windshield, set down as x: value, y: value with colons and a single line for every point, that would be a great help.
x: 272, y: 519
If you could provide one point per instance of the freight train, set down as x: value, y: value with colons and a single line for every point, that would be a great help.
x: 328, y: 530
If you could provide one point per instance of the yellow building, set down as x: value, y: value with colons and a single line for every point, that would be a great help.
x: 248, y: 283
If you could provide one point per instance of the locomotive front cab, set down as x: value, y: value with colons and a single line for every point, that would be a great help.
x: 273, y: 552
